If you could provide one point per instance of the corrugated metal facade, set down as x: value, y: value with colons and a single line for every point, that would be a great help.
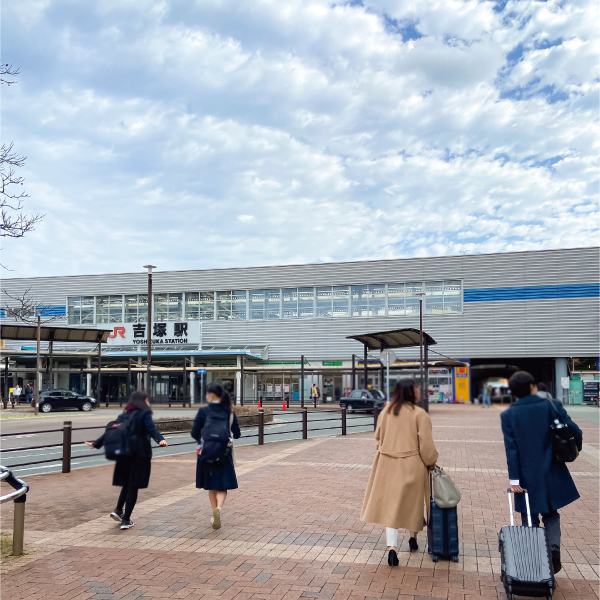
x: 543, y: 327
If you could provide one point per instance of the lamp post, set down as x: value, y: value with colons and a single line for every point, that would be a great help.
x: 424, y: 399
x: 149, y: 336
x: 36, y: 387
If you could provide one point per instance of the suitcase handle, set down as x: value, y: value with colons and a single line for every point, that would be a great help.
x: 510, y: 507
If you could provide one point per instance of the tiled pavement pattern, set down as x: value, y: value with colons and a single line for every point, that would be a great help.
x: 292, y: 529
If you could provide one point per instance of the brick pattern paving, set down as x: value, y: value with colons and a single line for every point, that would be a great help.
x: 292, y: 530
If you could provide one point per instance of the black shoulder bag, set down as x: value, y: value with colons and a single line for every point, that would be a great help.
x: 564, y: 446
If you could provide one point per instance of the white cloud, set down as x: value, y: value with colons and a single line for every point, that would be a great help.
x: 234, y: 134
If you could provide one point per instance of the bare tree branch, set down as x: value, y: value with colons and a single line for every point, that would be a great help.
x: 23, y: 308
x: 7, y: 70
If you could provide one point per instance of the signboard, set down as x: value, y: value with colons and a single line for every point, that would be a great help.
x: 462, y: 383
x: 590, y: 391
x: 201, y: 371
x: 332, y: 363
x: 167, y: 333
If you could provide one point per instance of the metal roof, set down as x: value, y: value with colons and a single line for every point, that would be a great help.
x: 54, y: 334
x: 398, y: 338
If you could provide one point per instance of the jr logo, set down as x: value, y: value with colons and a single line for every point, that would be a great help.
x: 117, y: 331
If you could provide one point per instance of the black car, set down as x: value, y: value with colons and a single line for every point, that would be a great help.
x: 63, y: 399
x: 363, y: 400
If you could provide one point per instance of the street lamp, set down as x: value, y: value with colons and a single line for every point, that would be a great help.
x: 36, y: 385
x: 149, y: 336
x: 424, y: 397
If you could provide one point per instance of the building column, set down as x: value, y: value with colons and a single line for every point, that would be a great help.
x: 560, y: 371
x: 192, y: 381
x: 238, y: 379
x: 88, y: 378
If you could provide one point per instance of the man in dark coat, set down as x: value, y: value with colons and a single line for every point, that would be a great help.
x: 526, y: 427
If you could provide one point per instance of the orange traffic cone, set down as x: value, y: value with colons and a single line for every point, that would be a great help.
x: 284, y: 405
x: 260, y: 403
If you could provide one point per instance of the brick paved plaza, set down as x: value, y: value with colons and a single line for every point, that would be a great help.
x: 291, y: 531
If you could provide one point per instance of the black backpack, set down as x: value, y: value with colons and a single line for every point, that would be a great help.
x: 216, y: 439
x: 120, y: 437
x: 564, y: 445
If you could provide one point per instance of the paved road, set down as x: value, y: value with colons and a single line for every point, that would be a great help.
x: 287, y: 426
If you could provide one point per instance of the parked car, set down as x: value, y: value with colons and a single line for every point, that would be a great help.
x: 363, y: 400
x: 64, y: 399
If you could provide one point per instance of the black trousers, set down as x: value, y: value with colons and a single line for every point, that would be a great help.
x: 127, y: 499
x: 551, y: 524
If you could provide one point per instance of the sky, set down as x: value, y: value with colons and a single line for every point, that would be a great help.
x: 234, y: 133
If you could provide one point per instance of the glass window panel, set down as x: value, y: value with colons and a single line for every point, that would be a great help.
x: 290, y: 303
x: 160, y: 308
x: 377, y: 300
x: 207, y: 306
x: 102, y: 303
x: 238, y: 305
x: 452, y: 297
x: 74, y: 311
x: 142, y: 308
x: 175, y: 307
x: 192, y: 306
x: 414, y: 287
x: 257, y: 304
x: 131, y: 309
x: 412, y: 306
x: 324, y: 302
x: 116, y: 309
x: 224, y: 306
x: 341, y: 301
x: 395, y: 299
x: 360, y: 300
x: 272, y: 304
x: 87, y: 310
x: 434, y: 303
x: 306, y: 299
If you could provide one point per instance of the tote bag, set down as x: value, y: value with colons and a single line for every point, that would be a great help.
x: 444, y: 491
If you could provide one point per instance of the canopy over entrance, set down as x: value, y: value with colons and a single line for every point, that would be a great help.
x: 398, y: 338
x: 54, y: 334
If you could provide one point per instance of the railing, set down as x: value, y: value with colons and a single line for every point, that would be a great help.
x: 339, y: 419
x: 19, y: 496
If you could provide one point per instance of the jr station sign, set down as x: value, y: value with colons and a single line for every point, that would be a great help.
x: 167, y: 333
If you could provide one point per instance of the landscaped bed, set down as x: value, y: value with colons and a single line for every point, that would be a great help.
x: 247, y: 416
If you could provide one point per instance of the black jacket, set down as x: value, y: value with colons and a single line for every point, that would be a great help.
x: 526, y: 429
x: 216, y: 409
x: 145, y: 430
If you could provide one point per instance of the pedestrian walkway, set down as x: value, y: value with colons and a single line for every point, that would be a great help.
x: 292, y: 530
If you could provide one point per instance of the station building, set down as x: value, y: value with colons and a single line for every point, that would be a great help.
x: 534, y: 310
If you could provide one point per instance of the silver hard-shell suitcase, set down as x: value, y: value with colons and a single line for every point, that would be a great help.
x: 526, y: 560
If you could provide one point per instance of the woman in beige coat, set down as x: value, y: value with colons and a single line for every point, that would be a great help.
x: 398, y: 488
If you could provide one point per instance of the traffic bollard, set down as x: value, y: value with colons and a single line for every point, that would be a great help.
x: 261, y: 426
x: 305, y: 423
x: 343, y: 421
x: 66, y: 457
x: 375, y: 416
x: 19, y: 525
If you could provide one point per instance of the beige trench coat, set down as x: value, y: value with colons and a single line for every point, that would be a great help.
x: 398, y: 488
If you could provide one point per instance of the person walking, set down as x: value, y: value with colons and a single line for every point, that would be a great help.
x: 487, y: 396
x: 17, y: 394
x: 28, y: 393
x: 542, y: 392
x: 531, y: 465
x: 217, y: 479
x: 132, y: 473
x: 313, y: 393
x: 398, y: 490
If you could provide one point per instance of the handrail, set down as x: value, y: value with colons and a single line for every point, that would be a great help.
x: 21, y: 488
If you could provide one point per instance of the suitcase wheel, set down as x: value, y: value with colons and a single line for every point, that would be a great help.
x: 434, y: 557
x: 455, y: 559
x: 509, y: 596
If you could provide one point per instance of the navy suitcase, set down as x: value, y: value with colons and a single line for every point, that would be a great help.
x: 526, y: 560
x: 442, y: 532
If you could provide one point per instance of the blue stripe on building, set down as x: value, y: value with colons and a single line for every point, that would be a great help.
x: 52, y: 311
x: 533, y: 292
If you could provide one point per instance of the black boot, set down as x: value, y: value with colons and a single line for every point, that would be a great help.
x: 393, y: 558
x: 412, y: 544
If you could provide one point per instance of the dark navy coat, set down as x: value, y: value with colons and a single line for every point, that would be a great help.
x: 526, y: 428
x: 210, y: 477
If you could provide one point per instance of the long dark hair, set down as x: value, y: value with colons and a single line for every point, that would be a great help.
x: 138, y: 400
x: 220, y: 392
x: 404, y: 393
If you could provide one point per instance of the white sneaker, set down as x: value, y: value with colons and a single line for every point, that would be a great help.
x: 216, y: 519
